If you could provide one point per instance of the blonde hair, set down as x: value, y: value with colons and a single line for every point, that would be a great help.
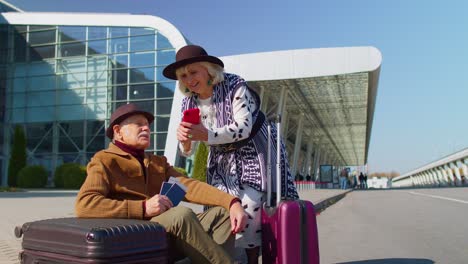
x: 215, y: 71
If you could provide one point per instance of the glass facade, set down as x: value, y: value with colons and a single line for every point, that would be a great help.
x: 61, y: 83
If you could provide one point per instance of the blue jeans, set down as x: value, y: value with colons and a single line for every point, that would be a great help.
x: 343, y: 182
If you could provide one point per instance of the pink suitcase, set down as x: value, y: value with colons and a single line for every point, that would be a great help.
x: 289, y: 230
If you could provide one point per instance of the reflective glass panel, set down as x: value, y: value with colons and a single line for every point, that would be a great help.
x: 142, y: 59
x: 119, y: 76
x: 72, y: 80
x: 159, y: 75
x: 38, y: 27
x: 161, y: 140
x: 19, y: 84
x: 42, y: 52
x: 40, y: 99
x: 142, y: 91
x: 73, y: 49
x: 162, y: 124
x: 72, y: 33
x: 20, y: 47
x: 42, y: 37
x: 69, y: 97
x: 120, y: 92
x: 142, y: 43
x: 41, y: 68
x: 19, y: 100
x: 141, y: 31
x: 165, y: 57
x: 163, y: 42
x: 120, y: 61
x: 163, y: 107
x: 118, y: 45
x: 72, y: 65
x: 41, y: 83
x: 96, y: 111
x: 165, y: 89
x: 142, y: 75
x: 118, y: 32
x: 97, y: 47
x: 71, y: 112
x: 146, y: 105
x: 40, y: 114
x: 97, y: 32
x: 96, y: 95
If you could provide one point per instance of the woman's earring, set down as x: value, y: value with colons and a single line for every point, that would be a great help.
x: 209, y: 82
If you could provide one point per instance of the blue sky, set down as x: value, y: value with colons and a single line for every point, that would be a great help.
x: 421, y: 111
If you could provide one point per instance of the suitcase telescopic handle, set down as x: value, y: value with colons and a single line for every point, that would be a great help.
x: 277, y: 120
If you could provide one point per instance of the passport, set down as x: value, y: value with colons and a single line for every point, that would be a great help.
x: 174, y: 190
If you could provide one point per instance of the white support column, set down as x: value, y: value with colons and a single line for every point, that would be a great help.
x: 457, y: 175
x: 55, y: 150
x: 449, y: 172
x: 444, y: 176
x: 297, y: 144
x: 285, y: 124
x: 316, y: 163
x: 261, y: 94
x: 309, y: 158
x: 464, y: 172
x: 435, y: 177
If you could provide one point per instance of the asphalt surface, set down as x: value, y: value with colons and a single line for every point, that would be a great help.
x: 31, y: 205
x: 421, y: 226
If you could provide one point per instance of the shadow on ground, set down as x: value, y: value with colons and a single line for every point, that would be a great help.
x: 35, y: 194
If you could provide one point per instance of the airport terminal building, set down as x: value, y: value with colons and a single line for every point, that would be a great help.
x: 62, y: 75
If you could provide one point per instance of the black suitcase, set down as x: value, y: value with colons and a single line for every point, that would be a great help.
x: 80, y: 240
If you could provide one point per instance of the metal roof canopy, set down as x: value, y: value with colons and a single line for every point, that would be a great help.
x: 335, y: 88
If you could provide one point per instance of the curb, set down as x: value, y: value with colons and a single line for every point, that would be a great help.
x: 324, y: 204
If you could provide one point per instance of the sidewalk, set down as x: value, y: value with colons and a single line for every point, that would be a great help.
x: 20, y: 207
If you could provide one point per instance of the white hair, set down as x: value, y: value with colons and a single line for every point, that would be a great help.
x: 215, y: 71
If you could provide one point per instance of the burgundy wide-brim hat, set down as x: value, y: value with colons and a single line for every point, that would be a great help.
x: 186, y: 55
x: 124, y: 111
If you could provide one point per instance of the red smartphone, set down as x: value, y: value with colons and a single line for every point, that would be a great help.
x: 192, y: 116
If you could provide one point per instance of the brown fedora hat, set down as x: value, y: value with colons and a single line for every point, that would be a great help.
x: 124, y: 111
x: 186, y: 55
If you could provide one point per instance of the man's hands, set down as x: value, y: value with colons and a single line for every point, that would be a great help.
x: 238, y: 217
x: 157, y: 205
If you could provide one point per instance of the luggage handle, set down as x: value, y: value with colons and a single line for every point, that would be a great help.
x: 277, y: 120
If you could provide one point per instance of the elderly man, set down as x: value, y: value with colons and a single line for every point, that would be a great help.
x: 124, y: 182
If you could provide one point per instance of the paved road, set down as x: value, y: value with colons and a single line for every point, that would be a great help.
x: 421, y: 226
x: 18, y: 208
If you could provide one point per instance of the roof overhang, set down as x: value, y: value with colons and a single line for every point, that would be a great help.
x: 335, y: 88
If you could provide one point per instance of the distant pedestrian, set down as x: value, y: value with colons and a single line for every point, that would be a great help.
x: 361, y: 181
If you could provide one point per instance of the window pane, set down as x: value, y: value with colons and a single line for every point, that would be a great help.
x: 142, y: 91
x: 163, y: 42
x: 70, y: 97
x: 165, y: 57
x: 72, y: 80
x: 162, y: 124
x: 120, y: 61
x: 19, y: 100
x: 42, y: 68
x: 42, y: 52
x: 120, y: 92
x: 142, y: 75
x: 119, y: 76
x: 72, y: 65
x: 97, y: 47
x: 42, y: 37
x: 19, y: 84
x: 163, y: 107
x: 118, y: 32
x: 165, y: 89
x: 38, y: 27
x: 142, y: 59
x: 40, y: 99
x: 70, y: 112
x: 96, y: 95
x: 97, y: 63
x: 141, y: 31
x: 71, y: 33
x: 159, y: 75
x: 118, y: 45
x: 161, y: 140
x: 40, y: 114
x: 73, y: 49
x: 97, y: 32
x: 142, y: 43
x: 147, y: 106
x: 20, y: 47
x: 96, y: 111
x: 38, y: 83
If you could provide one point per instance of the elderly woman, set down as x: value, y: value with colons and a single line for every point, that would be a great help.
x: 235, y: 130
